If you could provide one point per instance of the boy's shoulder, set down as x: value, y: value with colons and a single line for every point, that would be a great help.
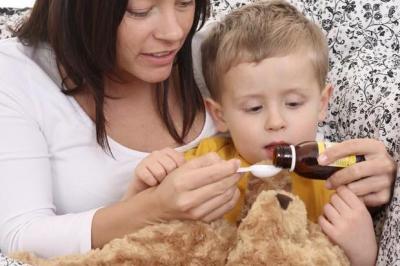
x: 216, y: 142
x: 222, y: 145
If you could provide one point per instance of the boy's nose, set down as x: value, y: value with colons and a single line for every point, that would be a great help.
x: 275, y: 121
x: 170, y: 29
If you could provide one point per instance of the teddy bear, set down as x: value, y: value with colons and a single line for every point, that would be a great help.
x: 276, y: 232
x: 273, y: 230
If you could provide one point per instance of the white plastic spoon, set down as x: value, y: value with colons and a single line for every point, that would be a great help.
x: 260, y: 170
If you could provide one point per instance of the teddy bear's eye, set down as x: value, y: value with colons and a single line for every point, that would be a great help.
x: 283, y: 200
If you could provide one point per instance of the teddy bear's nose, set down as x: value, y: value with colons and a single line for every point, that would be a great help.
x: 283, y: 200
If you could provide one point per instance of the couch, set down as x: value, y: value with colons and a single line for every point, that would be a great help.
x: 364, y: 43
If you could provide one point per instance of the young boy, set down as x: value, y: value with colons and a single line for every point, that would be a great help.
x: 266, y: 66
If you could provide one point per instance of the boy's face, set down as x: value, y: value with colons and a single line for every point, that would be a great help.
x: 275, y: 101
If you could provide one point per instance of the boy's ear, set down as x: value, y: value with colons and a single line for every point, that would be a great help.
x: 325, y: 96
x: 215, y: 110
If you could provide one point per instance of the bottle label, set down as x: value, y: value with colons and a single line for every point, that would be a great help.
x: 343, y: 162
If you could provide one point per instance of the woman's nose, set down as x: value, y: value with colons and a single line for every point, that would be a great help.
x: 170, y: 28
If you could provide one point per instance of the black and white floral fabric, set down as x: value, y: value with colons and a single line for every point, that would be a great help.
x: 364, y: 43
x: 6, y: 261
x: 221, y: 7
x: 9, y: 17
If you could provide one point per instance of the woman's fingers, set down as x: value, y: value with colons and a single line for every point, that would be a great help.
x: 373, y: 184
x: 207, y: 192
x: 367, y: 147
x: 193, y: 198
x: 219, y: 212
x: 203, y: 161
x: 377, y: 199
x: 215, y: 205
x: 378, y: 163
x: 371, y: 180
x: 360, y: 170
x: 206, y: 170
x: 199, y: 187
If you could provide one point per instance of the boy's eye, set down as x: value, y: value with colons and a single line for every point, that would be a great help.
x: 293, y: 104
x: 254, y: 109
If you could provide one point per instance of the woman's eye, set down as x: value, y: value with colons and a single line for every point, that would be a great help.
x: 138, y: 13
x: 186, y: 3
x: 254, y: 109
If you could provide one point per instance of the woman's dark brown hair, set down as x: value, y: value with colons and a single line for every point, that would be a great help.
x: 83, y: 35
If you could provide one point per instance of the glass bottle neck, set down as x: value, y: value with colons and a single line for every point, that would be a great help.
x: 285, y: 156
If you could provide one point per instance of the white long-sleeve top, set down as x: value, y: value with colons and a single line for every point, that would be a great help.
x: 53, y: 174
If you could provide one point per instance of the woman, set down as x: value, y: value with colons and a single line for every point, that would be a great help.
x: 86, y: 91
x: 108, y: 62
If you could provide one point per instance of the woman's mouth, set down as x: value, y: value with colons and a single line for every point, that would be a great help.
x: 161, y: 54
x: 160, y: 58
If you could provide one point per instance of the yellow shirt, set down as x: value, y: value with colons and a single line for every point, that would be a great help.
x: 312, y: 192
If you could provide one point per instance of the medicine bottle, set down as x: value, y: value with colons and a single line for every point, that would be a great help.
x: 302, y: 159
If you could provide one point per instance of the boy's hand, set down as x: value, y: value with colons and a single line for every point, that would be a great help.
x: 348, y: 223
x: 153, y: 169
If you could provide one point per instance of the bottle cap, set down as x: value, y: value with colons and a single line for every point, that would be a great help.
x: 283, y: 156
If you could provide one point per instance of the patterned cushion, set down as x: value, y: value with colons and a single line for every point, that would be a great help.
x: 9, y: 17
x: 6, y: 261
x: 364, y: 40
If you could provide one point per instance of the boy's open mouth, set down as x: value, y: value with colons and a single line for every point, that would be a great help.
x: 269, y: 149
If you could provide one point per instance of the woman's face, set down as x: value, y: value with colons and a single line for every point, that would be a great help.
x: 150, y: 36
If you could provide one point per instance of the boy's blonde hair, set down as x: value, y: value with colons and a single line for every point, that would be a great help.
x: 259, y: 31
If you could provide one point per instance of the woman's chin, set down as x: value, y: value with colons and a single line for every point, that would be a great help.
x: 157, y: 76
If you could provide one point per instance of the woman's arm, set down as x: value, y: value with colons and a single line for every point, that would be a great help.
x: 203, y: 188
x: 28, y: 219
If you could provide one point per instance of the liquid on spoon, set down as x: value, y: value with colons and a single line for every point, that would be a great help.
x: 262, y: 171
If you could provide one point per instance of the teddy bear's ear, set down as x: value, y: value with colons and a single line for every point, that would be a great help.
x: 283, y: 200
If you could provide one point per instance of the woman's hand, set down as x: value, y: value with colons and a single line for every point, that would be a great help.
x: 372, y: 179
x: 204, y: 188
